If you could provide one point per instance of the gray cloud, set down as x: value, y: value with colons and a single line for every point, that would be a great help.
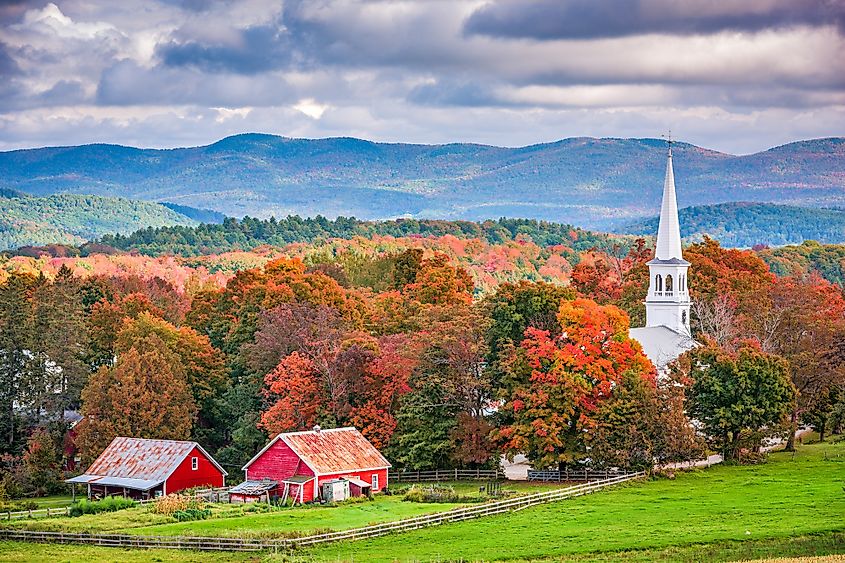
x: 589, y: 19
x: 259, y: 49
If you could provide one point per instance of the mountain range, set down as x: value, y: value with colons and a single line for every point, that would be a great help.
x: 593, y: 183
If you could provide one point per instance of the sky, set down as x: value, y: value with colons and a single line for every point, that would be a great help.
x: 737, y: 76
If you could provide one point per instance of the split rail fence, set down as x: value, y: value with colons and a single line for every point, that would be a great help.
x: 287, y: 544
x: 445, y: 475
x: 572, y: 475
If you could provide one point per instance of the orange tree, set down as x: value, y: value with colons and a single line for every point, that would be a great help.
x: 557, y: 385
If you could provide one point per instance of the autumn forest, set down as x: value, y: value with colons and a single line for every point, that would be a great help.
x: 447, y: 350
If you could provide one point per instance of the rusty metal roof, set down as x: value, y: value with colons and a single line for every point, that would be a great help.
x: 335, y: 450
x: 143, y: 459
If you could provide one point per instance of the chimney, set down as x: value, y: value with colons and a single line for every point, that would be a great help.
x: 317, y: 428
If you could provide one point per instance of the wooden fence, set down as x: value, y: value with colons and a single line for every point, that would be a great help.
x: 572, y: 475
x: 445, y: 475
x: 256, y: 544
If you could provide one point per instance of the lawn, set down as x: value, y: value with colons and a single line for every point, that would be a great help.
x: 237, y: 520
x: 788, y: 497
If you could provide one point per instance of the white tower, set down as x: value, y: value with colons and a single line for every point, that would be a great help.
x: 668, y: 301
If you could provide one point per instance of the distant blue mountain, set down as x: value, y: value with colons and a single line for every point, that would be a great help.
x: 595, y: 183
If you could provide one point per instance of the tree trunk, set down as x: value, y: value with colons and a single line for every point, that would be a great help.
x: 821, y: 435
x: 793, y: 428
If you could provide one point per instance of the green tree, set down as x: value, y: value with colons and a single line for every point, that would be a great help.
x: 16, y: 338
x: 734, y: 395
x: 41, y: 461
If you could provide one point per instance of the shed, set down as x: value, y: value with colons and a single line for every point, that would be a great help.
x: 142, y: 468
x: 303, y: 461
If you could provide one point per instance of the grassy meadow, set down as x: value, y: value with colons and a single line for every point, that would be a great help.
x: 787, y: 497
x: 239, y: 520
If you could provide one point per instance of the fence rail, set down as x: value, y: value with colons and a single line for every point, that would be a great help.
x: 446, y: 475
x: 257, y: 544
x: 572, y: 475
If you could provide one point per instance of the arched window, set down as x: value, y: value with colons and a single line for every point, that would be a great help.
x: 669, y: 284
x: 658, y: 283
x: 682, y: 285
x: 684, y: 317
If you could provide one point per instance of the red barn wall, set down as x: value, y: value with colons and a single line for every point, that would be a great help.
x: 184, y: 477
x: 277, y: 463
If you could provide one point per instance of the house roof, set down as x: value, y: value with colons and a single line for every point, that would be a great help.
x: 661, y: 344
x: 335, y: 450
x: 139, y: 462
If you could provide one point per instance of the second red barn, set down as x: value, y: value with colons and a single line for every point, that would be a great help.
x: 306, y: 466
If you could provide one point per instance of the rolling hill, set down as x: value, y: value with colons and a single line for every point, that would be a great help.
x: 74, y: 219
x: 595, y: 183
x: 746, y: 224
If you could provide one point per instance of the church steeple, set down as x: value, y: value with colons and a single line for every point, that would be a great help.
x: 668, y: 301
x: 669, y: 231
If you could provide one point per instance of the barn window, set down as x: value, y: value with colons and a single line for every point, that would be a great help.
x: 375, y: 481
x: 195, y: 463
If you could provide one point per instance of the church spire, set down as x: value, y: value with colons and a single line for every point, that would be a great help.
x: 669, y: 231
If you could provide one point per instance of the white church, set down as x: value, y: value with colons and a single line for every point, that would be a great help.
x: 667, y: 332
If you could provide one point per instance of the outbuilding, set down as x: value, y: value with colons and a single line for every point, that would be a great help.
x: 141, y: 468
x: 299, y: 463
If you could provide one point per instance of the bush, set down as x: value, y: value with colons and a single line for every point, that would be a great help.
x: 108, y: 504
x: 437, y: 493
x: 192, y: 514
x: 170, y: 504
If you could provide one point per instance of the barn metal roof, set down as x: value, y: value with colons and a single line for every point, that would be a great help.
x: 335, y: 450
x: 254, y: 487
x: 140, y: 460
x: 138, y: 484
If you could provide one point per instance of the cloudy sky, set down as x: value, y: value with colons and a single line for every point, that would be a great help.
x: 734, y: 75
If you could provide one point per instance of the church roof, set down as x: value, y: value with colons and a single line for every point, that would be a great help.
x: 669, y: 231
x: 661, y: 344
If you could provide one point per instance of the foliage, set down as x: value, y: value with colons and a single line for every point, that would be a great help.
x: 173, y: 503
x: 559, y: 384
x: 191, y: 514
x: 108, y: 504
x: 734, y: 394
x: 41, y: 461
x: 437, y: 493
x: 145, y: 395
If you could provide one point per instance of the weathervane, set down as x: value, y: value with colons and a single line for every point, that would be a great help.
x: 668, y: 137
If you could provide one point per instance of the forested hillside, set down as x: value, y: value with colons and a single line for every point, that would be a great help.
x: 593, y: 183
x: 250, y: 233
x: 746, y: 224
x: 75, y: 219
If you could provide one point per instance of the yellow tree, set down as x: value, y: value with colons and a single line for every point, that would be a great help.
x: 145, y: 395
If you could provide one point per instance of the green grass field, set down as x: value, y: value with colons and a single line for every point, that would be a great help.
x: 236, y: 520
x: 781, y: 499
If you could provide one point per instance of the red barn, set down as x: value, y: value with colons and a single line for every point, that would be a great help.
x: 299, y: 463
x: 141, y: 468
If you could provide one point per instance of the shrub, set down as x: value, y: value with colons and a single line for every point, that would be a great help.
x: 192, y: 514
x: 108, y: 504
x: 170, y: 504
x: 437, y: 493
